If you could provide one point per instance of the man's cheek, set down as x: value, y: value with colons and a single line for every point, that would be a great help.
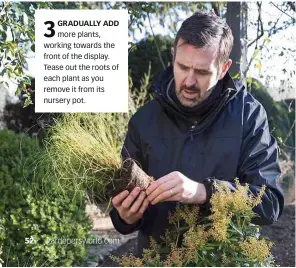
x: 208, y: 83
x: 178, y: 85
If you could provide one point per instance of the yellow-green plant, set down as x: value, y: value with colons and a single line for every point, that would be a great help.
x: 83, y: 150
x: 224, y: 238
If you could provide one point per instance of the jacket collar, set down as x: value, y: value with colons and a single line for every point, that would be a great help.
x: 161, y: 84
x: 230, y: 90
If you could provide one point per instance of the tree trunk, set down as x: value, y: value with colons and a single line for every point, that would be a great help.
x: 236, y: 18
x: 233, y: 20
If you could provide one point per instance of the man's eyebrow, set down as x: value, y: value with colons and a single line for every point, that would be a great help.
x: 200, y: 69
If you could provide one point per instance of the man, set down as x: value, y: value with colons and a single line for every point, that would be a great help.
x: 198, y: 129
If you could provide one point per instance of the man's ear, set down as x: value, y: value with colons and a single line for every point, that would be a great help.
x: 173, y: 54
x: 225, y: 68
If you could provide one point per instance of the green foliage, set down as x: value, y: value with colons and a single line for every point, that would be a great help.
x: 279, y: 114
x: 145, y: 54
x: 33, y: 214
x: 17, y: 20
x: 18, y: 32
x: 281, y: 118
x: 2, y: 236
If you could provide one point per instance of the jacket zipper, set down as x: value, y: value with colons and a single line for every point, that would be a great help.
x: 192, y: 129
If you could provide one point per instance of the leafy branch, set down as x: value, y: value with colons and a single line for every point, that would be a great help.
x: 154, y: 40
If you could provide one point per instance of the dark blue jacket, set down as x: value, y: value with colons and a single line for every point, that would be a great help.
x: 233, y: 141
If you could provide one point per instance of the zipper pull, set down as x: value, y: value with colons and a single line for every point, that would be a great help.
x: 191, y: 131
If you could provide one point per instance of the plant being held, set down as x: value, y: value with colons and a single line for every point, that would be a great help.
x: 83, y: 150
x: 225, y: 238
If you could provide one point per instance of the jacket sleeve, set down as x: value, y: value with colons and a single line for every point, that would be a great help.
x: 258, y: 165
x: 131, y: 148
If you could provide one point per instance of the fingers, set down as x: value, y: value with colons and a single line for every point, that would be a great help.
x: 167, y: 196
x: 154, y: 185
x: 137, y: 204
x: 117, y: 200
x: 177, y: 194
x: 162, y: 192
x: 130, y: 199
x: 143, y: 207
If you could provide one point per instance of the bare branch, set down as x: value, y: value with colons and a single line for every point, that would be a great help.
x: 286, y: 146
x: 132, y: 20
x: 270, y: 32
x: 283, y: 11
x: 282, y: 27
x: 290, y: 132
x: 261, y: 27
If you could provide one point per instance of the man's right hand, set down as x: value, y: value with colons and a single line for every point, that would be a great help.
x: 131, y: 206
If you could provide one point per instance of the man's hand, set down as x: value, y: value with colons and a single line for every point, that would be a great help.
x: 176, y: 187
x: 131, y: 206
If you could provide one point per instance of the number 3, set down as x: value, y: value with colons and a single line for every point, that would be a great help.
x: 50, y: 28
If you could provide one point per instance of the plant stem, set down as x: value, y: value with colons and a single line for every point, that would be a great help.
x: 238, y: 223
x: 178, y: 228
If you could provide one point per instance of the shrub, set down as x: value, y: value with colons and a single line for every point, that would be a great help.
x: 224, y: 238
x: 280, y: 115
x: 145, y: 53
x: 2, y: 235
x: 35, y: 215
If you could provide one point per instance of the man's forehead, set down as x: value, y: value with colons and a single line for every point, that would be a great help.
x: 203, y: 58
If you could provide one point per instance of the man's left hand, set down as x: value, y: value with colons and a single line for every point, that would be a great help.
x: 176, y: 187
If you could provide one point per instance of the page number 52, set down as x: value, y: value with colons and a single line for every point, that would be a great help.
x: 50, y: 28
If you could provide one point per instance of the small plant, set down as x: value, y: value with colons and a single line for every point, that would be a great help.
x: 83, y: 151
x: 225, y: 238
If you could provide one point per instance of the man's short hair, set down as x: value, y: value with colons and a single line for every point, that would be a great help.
x: 207, y: 29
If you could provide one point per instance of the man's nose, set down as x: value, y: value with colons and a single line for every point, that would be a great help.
x: 190, y: 79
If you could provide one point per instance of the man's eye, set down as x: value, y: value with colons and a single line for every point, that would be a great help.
x: 183, y: 67
x: 203, y: 72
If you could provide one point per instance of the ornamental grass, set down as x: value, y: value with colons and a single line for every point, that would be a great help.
x: 83, y: 152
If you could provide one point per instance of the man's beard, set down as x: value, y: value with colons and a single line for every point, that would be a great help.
x: 190, y: 103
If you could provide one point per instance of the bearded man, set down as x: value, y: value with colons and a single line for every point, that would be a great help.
x: 199, y: 129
